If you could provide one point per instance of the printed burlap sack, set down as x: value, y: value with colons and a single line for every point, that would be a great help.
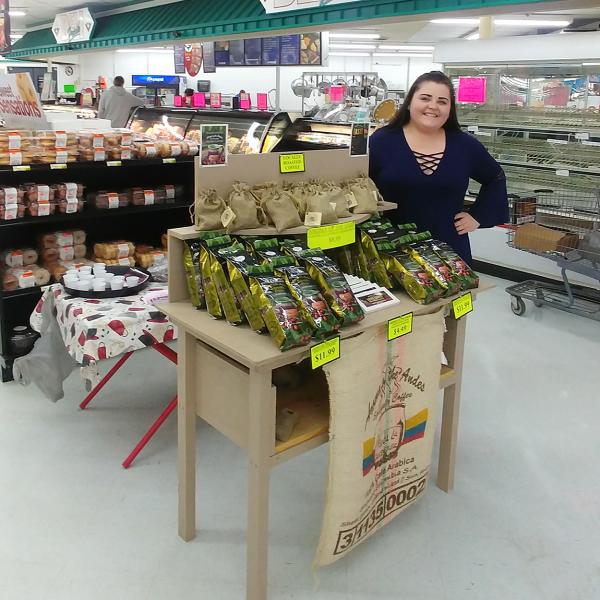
x: 382, y: 427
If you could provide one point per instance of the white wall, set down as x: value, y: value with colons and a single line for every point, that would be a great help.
x: 230, y: 80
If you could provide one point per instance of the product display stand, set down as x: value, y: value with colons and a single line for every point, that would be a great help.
x: 225, y: 378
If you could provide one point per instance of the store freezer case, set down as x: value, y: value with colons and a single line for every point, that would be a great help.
x: 250, y: 132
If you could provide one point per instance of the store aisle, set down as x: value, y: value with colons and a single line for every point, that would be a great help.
x: 523, y: 522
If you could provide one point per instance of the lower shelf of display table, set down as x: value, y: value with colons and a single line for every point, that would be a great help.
x: 312, y: 429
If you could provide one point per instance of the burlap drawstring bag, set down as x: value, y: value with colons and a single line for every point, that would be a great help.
x: 366, y: 199
x: 338, y: 196
x: 298, y: 193
x: 208, y: 210
x: 319, y: 202
x: 281, y: 210
x: 242, y: 202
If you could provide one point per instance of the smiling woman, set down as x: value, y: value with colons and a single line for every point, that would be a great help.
x: 423, y: 161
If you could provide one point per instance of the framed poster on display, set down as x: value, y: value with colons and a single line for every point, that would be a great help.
x: 193, y: 59
x: 310, y: 49
x: 208, y: 54
x: 222, y: 54
x: 213, y: 147
x: 253, y: 52
x: 270, y: 51
x: 4, y: 27
x: 236, y: 53
x: 290, y: 49
x: 179, y: 59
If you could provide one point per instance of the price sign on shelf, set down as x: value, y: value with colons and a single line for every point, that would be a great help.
x: 114, y: 163
x: 169, y: 161
x: 462, y: 306
x: 325, y: 352
x: 22, y: 168
x: 291, y: 163
x: 400, y: 326
x: 332, y: 236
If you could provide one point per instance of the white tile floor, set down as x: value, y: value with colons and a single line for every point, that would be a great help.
x: 522, y: 524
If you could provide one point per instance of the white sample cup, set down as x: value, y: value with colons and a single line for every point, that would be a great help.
x: 85, y: 285
x: 87, y: 270
x: 99, y: 268
x: 86, y: 277
x: 106, y: 276
x: 73, y: 272
x: 116, y: 284
x: 71, y: 281
x: 99, y: 285
x: 132, y: 280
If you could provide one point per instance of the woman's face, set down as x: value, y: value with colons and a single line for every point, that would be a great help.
x: 430, y: 106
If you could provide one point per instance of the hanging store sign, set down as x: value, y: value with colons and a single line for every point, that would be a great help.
x: 73, y: 26
x: 193, y: 59
x: 272, y: 6
x: 4, y: 27
x: 20, y: 106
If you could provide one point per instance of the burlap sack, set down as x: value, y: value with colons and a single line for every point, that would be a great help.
x: 339, y: 196
x: 299, y: 193
x: 370, y: 184
x: 366, y: 199
x: 208, y: 209
x: 381, y: 430
x: 281, y: 211
x: 319, y: 202
x: 243, y: 204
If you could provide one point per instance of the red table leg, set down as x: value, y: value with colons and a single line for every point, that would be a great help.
x: 148, y: 435
x: 105, y: 380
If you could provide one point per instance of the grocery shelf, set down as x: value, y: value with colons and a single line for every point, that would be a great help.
x: 32, y: 291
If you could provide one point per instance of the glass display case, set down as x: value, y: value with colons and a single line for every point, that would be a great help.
x: 311, y: 134
x: 250, y: 132
x: 79, y: 112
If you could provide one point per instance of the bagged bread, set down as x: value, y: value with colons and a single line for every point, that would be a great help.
x: 208, y: 210
x: 281, y: 210
x: 114, y: 250
x: 243, y: 204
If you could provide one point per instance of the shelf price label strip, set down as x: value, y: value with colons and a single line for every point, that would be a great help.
x: 332, y: 236
x: 462, y: 306
x: 400, y: 326
x: 325, y: 352
x: 58, y: 166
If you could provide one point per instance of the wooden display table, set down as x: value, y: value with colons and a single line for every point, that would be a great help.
x: 224, y: 377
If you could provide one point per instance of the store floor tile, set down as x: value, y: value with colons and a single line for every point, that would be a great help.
x: 523, y: 522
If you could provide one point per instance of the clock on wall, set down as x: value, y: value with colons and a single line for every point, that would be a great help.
x: 69, y: 70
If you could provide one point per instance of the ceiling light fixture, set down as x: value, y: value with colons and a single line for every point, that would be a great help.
x: 504, y: 22
x: 353, y: 46
x: 355, y: 36
x: 349, y: 54
x: 591, y: 64
x: 410, y: 48
x: 16, y: 36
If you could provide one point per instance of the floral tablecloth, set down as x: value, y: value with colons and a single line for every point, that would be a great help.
x: 95, y: 330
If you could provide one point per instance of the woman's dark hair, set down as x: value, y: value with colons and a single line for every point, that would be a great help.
x: 188, y: 92
x: 403, y: 115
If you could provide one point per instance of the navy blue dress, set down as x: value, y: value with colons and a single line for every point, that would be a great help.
x: 432, y: 201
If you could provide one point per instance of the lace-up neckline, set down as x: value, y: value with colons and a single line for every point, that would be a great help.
x: 429, y: 163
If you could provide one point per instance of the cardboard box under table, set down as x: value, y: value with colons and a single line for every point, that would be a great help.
x: 225, y: 377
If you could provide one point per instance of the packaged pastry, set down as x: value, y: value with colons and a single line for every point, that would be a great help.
x: 333, y: 285
x: 18, y: 139
x: 114, y: 250
x: 92, y: 154
x: 126, y: 261
x: 68, y: 191
x: 10, y: 212
x: 88, y: 139
x: 145, y: 149
x: 39, y: 193
x: 49, y: 255
x: 467, y: 277
x: 172, y: 192
x: 14, y: 158
x: 19, y: 257
x: 189, y: 148
x: 56, y: 140
x: 10, y: 283
x: 279, y: 311
x: 149, y: 259
x: 122, y: 137
x: 40, y: 209
x: 240, y: 264
x: 193, y: 273
x: 147, y: 197
x: 310, y: 301
x: 108, y: 200
x: 119, y: 153
x: 11, y: 195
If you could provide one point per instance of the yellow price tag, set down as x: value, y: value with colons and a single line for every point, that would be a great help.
x: 291, y: 163
x: 114, y: 163
x: 463, y: 305
x: 325, y: 352
x: 332, y: 236
x: 400, y: 326
x: 22, y: 168
x: 169, y: 161
x: 58, y: 166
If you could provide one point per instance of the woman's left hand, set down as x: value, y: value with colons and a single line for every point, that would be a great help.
x: 465, y: 223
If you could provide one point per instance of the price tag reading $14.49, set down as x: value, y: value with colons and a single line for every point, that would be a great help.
x: 463, y: 305
x: 325, y: 352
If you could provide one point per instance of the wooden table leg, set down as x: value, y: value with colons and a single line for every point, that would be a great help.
x: 261, y: 440
x: 454, y: 347
x: 186, y: 435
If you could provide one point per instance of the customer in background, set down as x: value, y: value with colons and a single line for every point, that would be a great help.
x: 188, y: 96
x: 423, y: 161
x: 116, y: 103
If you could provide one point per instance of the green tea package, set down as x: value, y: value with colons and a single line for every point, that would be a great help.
x: 413, y: 277
x: 227, y: 299
x: 374, y: 263
x: 193, y: 273
x: 467, y: 277
x: 310, y: 301
x: 424, y: 254
x: 239, y: 266
x: 280, y: 312
x: 333, y: 285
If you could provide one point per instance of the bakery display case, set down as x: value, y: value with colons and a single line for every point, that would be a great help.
x: 250, y: 132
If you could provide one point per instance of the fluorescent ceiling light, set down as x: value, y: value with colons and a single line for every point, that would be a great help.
x: 411, y: 48
x: 504, y: 22
x: 355, y: 36
x: 472, y: 36
x: 592, y: 64
x: 353, y: 46
x: 349, y: 54
x: 17, y: 13
x: 403, y: 54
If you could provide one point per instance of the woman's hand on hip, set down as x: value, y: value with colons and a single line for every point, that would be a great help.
x: 465, y: 223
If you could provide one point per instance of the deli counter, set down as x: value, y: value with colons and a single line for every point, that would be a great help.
x: 250, y: 132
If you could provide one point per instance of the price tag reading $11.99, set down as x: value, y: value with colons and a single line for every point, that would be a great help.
x: 462, y: 306
x: 325, y: 352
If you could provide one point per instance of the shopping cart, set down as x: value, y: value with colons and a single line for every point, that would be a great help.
x: 562, y: 226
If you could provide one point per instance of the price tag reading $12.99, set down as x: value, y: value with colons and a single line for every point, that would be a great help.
x: 325, y: 352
